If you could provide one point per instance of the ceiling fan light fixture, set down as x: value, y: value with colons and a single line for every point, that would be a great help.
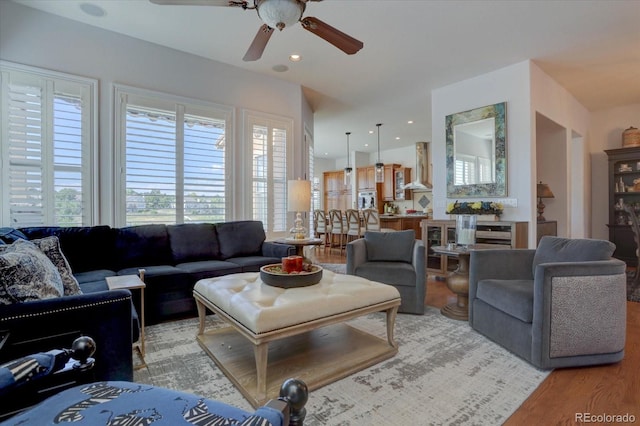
x: 280, y: 13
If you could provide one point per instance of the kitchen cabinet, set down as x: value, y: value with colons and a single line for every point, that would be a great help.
x: 366, y: 178
x: 337, y: 195
x: 402, y: 177
x: 624, y: 171
x: 442, y: 232
x: 403, y: 223
x: 388, y: 186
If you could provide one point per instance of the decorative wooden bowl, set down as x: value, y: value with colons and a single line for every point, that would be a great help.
x: 274, y: 275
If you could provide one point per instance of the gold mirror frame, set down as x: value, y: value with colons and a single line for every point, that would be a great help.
x: 497, y: 188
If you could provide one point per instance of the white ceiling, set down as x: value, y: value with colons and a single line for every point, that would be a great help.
x: 592, y: 48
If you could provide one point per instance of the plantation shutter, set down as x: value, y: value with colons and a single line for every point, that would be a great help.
x: 174, y: 159
x: 269, y: 173
x: 46, y: 139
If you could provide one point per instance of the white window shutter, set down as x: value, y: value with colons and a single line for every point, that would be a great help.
x: 47, y: 134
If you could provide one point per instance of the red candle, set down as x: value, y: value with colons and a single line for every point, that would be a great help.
x: 292, y: 264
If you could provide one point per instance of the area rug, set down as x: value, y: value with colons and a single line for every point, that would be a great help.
x: 444, y: 373
x: 338, y: 268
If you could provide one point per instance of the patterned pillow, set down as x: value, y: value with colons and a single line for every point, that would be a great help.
x: 27, y: 274
x: 50, y: 246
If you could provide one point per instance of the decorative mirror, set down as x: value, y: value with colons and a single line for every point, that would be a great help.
x: 477, y: 152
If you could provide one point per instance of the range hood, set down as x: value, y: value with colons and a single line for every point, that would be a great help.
x: 422, y: 168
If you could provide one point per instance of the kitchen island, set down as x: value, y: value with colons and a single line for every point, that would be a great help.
x: 401, y: 222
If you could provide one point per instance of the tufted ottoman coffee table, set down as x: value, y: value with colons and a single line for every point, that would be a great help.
x: 278, y: 333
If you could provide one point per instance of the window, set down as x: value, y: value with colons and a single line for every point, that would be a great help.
x: 48, y: 134
x: 173, y: 153
x: 269, y: 152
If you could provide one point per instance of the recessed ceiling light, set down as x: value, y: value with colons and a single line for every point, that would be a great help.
x: 366, y: 144
x: 92, y: 9
x: 295, y: 57
x: 370, y: 132
x: 326, y: 153
x: 410, y: 122
x: 280, y: 68
x: 397, y: 138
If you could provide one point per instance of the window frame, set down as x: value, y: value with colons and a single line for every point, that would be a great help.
x: 249, y: 118
x: 89, y: 89
x: 161, y: 100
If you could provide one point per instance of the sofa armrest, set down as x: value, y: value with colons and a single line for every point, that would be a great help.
x: 37, y: 326
x: 578, y: 308
x: 356, y: 255
x: 273, y: 249
x: 418, y: 261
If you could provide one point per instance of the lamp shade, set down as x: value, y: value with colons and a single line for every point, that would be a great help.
x: 298, y: 195
x: 543, y: 191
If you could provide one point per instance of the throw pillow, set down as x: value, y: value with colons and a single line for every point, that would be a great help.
x: 50, y: 246
x: 27, y: 274
x: 390, y: 246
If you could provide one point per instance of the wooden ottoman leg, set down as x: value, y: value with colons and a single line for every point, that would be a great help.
x: 391, y: 321
x: 261, y: 352
x: 202, y: 314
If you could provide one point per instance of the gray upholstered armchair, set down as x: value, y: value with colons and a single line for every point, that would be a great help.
x: 394, y: 258
x: 561, y: 305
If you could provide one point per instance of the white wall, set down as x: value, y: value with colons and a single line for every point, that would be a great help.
x: 32, y: 37
x: 527, y: 91
x: 554, y: 102
x: 605, y: 132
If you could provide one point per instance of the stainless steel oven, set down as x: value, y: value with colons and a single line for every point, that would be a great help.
x: 367, y: 200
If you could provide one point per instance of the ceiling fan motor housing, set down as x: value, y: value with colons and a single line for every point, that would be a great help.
x: 280, y: 13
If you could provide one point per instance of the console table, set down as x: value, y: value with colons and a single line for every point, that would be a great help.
x: 503, y: 234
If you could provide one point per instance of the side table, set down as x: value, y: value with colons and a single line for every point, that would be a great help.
x: 458, y: 280
x: 300, y: 244
x: 132, y: 282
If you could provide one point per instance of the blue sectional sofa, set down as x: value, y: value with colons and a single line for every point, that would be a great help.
x: 175, y: 257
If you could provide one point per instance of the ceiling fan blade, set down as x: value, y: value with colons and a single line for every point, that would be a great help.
x: 191, y: 2
x: 258, y: 44
x: 342, y: 41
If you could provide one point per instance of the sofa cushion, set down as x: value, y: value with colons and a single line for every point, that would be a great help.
x: 191, y: 242
x: 9, y: 235
x: 209, y: 268
x: 513, y: 297
x: 27, y: 274
x: 50, y: 246
x: 398, y: 274
x: 240, y: 238
x: 143, y: 245
x: 86, y: 248
x: 390, y: 246
x: 557, y: 249
x: 90, y: 276
x: 253, y: 263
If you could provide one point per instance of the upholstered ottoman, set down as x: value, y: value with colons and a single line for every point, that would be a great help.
x: 305, y: 327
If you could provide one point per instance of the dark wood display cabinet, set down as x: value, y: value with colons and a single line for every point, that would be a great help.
x: 624, y: 188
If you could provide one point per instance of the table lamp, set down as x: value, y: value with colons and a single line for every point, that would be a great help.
x: 543, y: 191
x: 298, y: 200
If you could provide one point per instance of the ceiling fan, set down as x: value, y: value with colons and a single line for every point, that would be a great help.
x: 278, y: 14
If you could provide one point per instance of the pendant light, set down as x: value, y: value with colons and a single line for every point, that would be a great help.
x: 379, y: 165
x: 348, y: 169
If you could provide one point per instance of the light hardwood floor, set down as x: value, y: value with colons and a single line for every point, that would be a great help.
x: 566, y: 393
